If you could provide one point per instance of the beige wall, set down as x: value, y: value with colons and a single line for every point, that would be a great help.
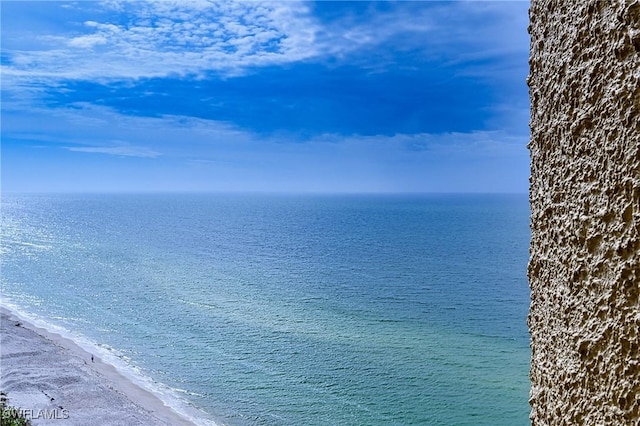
x: 584, y: 269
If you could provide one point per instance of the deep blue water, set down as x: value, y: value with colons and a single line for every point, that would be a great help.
x: 289, y: 310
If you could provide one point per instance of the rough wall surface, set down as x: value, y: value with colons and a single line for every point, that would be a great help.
x: 584, y: 269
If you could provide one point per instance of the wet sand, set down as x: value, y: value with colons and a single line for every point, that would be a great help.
x: 55, y: 382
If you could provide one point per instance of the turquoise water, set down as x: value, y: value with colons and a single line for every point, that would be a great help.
x: 289, y: 310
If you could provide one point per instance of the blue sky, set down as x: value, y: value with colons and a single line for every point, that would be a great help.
x: 286, y: 96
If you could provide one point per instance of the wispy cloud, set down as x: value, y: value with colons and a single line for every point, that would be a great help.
x: 120, y: 150
x: 85, y: 128
x: 284, y: 94
x: 220, y: 156
x: 451, y: 32
x: 146, y: 39
x: 160, y: 38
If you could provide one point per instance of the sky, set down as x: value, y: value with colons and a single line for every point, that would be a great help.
x: 276, y: 96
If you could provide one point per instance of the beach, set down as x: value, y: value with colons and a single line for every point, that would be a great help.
x: 53, y: 381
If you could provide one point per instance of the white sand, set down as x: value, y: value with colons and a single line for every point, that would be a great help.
x: 57, y: 383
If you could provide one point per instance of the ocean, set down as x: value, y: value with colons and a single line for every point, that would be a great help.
x: 248, y: 309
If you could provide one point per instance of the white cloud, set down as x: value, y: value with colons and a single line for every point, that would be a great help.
x: 88, y: 41
x: 159, y: 38
x: 83, y: 127
x: 219, y: 156
x: 451, y: 32
x: 149, y: 38
x: 119, y: 150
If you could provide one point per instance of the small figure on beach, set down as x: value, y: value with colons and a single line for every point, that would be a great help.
x: 91, y: 358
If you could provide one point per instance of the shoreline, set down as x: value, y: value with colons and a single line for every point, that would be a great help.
x: 56, y: 381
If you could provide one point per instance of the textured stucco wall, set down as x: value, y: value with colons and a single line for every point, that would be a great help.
x: 584, y: 269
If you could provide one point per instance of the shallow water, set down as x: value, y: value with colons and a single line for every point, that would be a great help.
x: 290, y: 309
